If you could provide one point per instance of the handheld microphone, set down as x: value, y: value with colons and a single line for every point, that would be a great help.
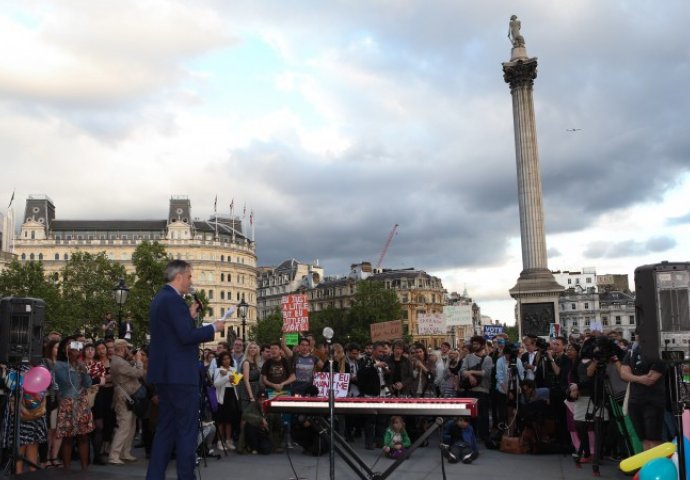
x: 192, y: 291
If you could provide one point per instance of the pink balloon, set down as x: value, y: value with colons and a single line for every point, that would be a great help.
x: 37, y: 380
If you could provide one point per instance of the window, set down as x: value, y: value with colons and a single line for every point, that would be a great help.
x: 589, y: 280
x: 577, y: 281
x: 23, y: 256
x: 570, y: 280
x: 222, y: 277
x: 586, y: 306
x: 222, y: 297
x: 40, y: 256
x: 57, y: 256
x: 587, y: 322
x: 210, y: 294
x: 618, y: 320
x: 632, y: 319
x: 572, y: 306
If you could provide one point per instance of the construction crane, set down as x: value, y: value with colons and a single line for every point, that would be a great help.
x: 388, y: 244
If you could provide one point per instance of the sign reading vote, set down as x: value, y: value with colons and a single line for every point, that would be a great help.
x: 295, y: 310
x: 490, y: 331
x: 340, y: 387
x: 386, y: 330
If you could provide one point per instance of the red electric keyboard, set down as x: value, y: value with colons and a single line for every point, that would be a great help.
x: 374, y: 406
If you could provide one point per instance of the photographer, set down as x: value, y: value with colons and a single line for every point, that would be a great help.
x: 509, y: 372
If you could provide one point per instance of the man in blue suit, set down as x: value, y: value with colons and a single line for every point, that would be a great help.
x: 173, y: 361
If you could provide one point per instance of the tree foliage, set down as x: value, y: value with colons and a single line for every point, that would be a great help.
x: 29, y: 280
x: 87, y: 291
x: 268, y: 329
x: 149, y: 260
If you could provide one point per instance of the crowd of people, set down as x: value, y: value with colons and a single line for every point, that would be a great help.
x: 210, y: 400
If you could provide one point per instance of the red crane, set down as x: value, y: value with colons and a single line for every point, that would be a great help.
x: 388, y: 244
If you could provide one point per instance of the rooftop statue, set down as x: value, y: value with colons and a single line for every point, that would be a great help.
x: 514, y: 32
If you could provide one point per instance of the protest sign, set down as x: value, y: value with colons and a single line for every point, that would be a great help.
x: 431, y: 324
x: 386, y: 330
x: 295, y: 310
x: 490, y: 331
x: 340, y: 387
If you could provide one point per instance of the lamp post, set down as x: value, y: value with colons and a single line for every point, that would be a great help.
x: 120, y: 292
x: 242, y: 312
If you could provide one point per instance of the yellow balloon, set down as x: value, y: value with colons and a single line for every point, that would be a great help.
x: 636, y: 462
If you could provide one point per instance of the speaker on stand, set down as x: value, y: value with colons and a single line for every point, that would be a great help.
x: 21, y: 345
x: 662, y: 310
x: 21, y: 330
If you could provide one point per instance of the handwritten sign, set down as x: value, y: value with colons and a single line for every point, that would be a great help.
x: 340, y: 387
x: 295, y: 310
x: 386, y: 331
x: 431, y: 324
x: 457, y: 315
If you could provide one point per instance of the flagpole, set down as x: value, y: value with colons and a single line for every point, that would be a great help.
x: 215, y: 215
x: 232, y: 218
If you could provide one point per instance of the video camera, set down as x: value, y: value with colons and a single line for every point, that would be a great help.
x: 605, y: 349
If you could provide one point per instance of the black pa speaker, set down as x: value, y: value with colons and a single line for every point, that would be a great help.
x: 662, y: 310
x: 21, y: 330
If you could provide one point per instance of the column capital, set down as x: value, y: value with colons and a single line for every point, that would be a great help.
x: 520, y: 73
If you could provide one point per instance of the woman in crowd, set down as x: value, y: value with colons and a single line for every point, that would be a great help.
x: 228, y: 414
x: 74, y: 415
x: 449, y: 382
x: 99, y: 371
x: 251, y: 375
x: 50, y: 353
x: 32, y: 421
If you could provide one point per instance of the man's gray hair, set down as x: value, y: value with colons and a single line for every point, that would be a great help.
x: 175, y: 267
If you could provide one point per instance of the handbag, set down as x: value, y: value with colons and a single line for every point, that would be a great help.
x: 32, y: 406
x: 138, y: 402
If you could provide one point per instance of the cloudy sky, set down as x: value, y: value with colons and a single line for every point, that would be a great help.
x: 335, y: 120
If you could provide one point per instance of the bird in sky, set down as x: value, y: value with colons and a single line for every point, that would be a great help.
x: 573, y: 129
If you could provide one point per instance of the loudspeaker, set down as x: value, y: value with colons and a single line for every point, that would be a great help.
x: 662, y: 310
x: 21, y: 330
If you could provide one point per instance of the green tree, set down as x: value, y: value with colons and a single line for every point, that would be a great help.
x: 372, y: 303
x: 149, y: 260
x: 87, y: 291
x: 268, y: 329
x: 28, y: 280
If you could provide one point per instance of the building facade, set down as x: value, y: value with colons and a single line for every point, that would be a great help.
x: 418, y: 292
x: 284, y: 279
x: 223, y: 258
x: 580, y: 281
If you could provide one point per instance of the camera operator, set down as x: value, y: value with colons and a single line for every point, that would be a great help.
x: 557, y: 368
x: 586, y: 383
x: 509, y: 373
x: 647, y: 400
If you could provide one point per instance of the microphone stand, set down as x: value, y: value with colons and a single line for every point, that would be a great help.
x: 331, y: 410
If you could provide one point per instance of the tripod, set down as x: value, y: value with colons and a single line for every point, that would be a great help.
x: 17, y: 394
x: 679, y: 403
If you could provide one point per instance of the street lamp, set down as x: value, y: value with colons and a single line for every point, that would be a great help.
x: 120, y: 292
x: 242, y: 312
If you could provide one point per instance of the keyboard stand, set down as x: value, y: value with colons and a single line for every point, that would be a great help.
x: 355, y: 462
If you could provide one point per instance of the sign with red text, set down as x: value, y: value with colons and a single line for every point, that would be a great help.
x: 431, y: 324
x: 340, y: 387
x: 386, y: 331
x: 295, y: 310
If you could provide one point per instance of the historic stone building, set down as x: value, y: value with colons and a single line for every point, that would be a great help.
x: 418, y: 292
x: 286, y: 278
x: 224, y: 259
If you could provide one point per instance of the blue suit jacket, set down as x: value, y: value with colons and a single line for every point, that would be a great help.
x: 175, y: 339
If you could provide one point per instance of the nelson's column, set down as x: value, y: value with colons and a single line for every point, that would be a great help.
x: 536, y: 291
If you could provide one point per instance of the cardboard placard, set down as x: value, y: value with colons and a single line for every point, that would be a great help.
x: 386, y: 330
x: 431, y: 324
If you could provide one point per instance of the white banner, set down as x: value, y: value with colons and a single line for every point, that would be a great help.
x: 456, y: 315
x: 342, y: 384
x: 431, y: 324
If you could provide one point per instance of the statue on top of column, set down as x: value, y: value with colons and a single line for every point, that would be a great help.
x: 514, y: 32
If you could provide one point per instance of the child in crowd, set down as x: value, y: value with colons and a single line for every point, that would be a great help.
x: 396, y: 441
x: 459, y: 441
